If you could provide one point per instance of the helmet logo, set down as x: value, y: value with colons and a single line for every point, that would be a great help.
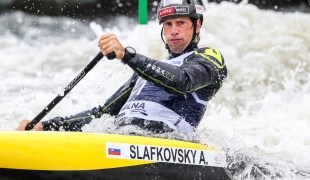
x: 173, y: 11
x: 168, y: 2
x: 199, y: 9
x: 166, y: 12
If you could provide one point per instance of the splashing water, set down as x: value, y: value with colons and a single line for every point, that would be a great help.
x: 259, y: 117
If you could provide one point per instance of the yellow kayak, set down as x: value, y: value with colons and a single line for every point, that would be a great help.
x: 77, y: 155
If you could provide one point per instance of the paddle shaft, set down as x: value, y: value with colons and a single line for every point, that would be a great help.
x: 59, y: 97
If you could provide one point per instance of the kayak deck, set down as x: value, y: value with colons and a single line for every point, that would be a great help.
x: 75, y: 155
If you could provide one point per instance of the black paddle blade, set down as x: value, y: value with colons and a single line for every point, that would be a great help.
x: 111, y: 55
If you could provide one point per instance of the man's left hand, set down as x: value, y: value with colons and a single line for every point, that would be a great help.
x: 22, y: 126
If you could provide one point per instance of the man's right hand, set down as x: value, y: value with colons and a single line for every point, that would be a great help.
x: 22, y: 125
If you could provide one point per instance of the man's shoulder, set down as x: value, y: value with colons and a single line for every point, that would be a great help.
x: 209, y: 51
x: 213, y: 55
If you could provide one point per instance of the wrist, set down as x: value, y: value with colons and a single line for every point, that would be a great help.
x: 129, y: 54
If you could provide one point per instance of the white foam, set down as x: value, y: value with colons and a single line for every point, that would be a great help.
x: 260, y: 113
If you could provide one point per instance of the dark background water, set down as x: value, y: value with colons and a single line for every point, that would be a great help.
x: 91, y: 9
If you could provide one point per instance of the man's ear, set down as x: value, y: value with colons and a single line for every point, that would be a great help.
x: 198, y: 26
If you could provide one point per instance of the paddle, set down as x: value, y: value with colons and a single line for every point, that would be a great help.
x: 59, y: 97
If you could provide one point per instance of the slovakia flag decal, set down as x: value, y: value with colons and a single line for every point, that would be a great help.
x: 114, y: 151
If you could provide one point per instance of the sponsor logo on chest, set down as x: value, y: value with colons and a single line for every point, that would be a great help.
x: 135, y: 107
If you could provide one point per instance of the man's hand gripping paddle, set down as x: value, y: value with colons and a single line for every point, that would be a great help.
x: 77, y: 79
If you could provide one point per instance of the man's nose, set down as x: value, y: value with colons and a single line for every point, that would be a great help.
x: 174, y: 30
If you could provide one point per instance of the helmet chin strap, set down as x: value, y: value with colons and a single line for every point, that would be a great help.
x: 191, y: 44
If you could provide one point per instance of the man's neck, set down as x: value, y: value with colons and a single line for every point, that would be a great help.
x: 190, y: 47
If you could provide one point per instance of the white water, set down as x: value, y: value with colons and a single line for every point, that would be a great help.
x: 260, y: 116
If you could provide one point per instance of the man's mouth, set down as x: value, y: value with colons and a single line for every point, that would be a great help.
x: 175, y: 40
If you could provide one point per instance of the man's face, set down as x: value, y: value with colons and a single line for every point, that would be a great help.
x: 178, y: 33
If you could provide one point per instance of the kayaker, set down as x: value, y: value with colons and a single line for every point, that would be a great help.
x: 167, y: 95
